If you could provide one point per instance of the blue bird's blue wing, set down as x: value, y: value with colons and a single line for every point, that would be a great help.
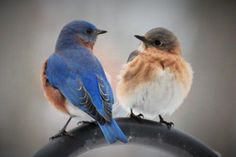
x: 89, y: 91
x: 76, y: 92
x: 107, y: 99
x: 87, y: 88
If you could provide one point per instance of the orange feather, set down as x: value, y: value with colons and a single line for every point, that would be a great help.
x: 52, y: 94
x: 144, y: 68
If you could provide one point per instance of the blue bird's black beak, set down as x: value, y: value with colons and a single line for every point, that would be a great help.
x: 99, y: 31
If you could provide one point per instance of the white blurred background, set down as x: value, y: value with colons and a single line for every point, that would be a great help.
x: 29, y: 29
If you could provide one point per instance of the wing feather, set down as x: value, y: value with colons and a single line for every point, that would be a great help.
x: 106, y: 99
x: 132, y: 55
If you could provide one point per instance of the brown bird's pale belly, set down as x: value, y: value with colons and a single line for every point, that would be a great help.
x: 154, y: 87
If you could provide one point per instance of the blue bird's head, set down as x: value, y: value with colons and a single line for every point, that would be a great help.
x: 78, y: 32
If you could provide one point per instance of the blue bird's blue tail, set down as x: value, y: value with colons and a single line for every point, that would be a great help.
x: 112, y: 132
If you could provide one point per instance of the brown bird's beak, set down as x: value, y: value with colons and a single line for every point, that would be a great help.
x: 142, y: 38
x: 99, y: 31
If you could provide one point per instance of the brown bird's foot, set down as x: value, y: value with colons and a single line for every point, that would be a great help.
x: 61, y: 134
x: 138, y: 117
x: 168, y: 124
x: 87, y: 122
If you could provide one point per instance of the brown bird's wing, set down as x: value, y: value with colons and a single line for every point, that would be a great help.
x: 132, y: 55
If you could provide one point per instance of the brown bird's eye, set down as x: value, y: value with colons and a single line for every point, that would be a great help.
x: 157, y: 43
x: 89, y: 31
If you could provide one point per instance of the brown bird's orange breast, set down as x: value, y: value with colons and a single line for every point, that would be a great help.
x: 52, y: 94
x: 146, y: 66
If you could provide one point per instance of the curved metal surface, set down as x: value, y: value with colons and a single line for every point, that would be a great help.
x: 143, y: 132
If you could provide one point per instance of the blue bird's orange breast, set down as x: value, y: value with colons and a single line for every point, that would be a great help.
x: 52, y: 94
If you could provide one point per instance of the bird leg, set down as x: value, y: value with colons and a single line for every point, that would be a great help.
x: 168, y: 124
x: 137, y: 117
x: 63, y: 131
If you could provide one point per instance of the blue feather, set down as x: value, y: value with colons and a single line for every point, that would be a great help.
x: 112, y: 132
x: 79, y: 76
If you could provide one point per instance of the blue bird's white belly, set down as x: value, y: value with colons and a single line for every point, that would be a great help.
x: 78, y: 113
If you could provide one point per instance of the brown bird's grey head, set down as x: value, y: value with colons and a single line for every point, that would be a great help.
x: 161, y: 39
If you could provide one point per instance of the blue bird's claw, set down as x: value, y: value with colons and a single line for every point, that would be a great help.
x: 60, y: 134
x: 63, y: 131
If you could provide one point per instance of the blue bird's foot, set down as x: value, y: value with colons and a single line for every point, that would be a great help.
x: 138, y: 117
x: 168, y: 124
x: 63, y: 132
x: 60, y: 134
x: 87, y: 122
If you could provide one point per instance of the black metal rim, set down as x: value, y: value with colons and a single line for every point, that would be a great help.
x: 139, y: 132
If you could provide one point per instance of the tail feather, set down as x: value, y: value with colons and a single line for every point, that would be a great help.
x: 112, y: 132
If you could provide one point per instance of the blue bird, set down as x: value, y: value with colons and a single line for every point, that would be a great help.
x: 74, y: 74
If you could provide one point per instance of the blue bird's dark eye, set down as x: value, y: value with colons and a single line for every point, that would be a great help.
x: 89, y: 31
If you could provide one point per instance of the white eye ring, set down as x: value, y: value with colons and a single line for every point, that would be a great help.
x: 158, y: 43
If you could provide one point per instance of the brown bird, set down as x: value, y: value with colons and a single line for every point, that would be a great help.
x: 156, y: 78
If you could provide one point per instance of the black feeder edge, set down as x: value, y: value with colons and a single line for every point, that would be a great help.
x: 141, y: 132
